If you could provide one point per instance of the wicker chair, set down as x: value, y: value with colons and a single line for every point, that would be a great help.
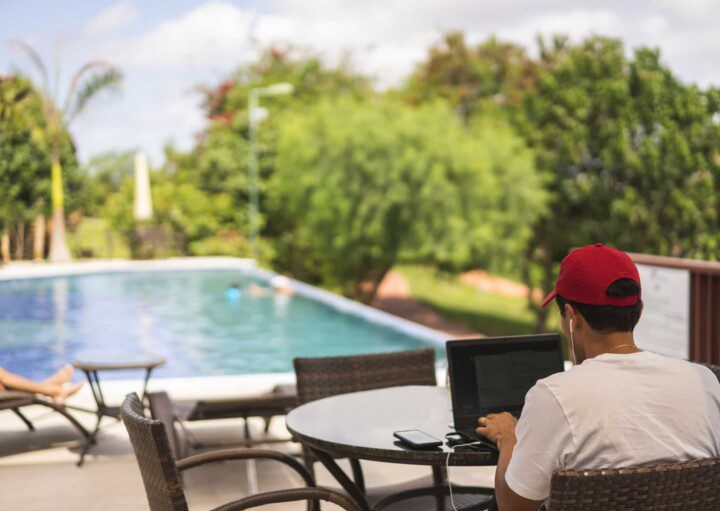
x: 161, y: 474
x: 322, y: 377
x: 690, y: 485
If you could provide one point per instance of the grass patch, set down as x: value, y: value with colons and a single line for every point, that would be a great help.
x: 93, y: 238
x: 488, y: 313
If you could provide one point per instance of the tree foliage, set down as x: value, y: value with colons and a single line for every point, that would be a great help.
x: 87, y: 83
x: 631, y: 150
x: 104, y: 175
x: 187, y: 215
x: 25, y: 156
x: 493, y: 72
x: 358, y: 184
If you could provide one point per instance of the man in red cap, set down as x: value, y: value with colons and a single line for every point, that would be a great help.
x: 618, y: 406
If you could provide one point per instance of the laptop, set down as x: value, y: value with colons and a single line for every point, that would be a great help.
x: 493, y: 374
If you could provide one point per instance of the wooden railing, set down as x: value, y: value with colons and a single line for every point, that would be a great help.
x: 704, y: 303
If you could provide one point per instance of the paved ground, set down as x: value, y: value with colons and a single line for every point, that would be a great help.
x: 38, y: 472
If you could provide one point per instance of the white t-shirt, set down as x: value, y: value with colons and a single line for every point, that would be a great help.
x: 614, y: 411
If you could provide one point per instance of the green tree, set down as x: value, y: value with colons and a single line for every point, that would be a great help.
x: 193, y: 221
x: 219, y: 163
x: 22, y: 159
x: 86, y: 83
x: 104, y: 176
x: 358, y: 184
x: 494, y: 72
x: 25, y: 159
x: 631, y: 153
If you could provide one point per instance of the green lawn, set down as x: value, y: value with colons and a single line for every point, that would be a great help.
x: 488, y: 313
x: 93, y: 238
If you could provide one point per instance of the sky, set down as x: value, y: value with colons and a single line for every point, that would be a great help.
x: 168, y: 47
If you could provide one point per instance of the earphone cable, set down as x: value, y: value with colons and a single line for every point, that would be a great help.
x: 447, y: 470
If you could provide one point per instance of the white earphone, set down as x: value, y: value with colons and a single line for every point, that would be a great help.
x: 572, y: 343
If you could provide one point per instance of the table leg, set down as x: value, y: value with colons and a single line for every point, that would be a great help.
x: 94, y: 382
x: 89, y: 441
x: 145, y: 384
x: 439, y: 482
x: 342, y: 478
x: 357, y: 473
x: 246, y: 428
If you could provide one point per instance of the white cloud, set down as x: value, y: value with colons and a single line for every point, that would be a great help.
x: 385, y: 38
x: 215, y: 34
x: 112, y: 18
x: 575, y: 23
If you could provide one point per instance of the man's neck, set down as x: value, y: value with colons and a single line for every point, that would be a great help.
x: 618, y: 343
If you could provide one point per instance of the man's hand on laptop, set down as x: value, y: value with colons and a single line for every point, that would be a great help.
x: 498, y: 427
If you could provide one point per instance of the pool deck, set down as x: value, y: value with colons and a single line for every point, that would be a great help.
x: 37, y: 469
x: 38, y: 472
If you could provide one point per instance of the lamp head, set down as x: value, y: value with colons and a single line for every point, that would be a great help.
x: 278, y: 89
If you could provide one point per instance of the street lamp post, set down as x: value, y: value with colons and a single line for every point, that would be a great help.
x: 277, y: 89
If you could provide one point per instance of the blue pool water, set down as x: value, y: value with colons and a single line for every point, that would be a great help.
x: 183, y: 316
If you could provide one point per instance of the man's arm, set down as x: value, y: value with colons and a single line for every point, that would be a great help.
x: 500, y: 428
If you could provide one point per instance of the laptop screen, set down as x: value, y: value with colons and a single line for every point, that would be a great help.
x: 493, y: 374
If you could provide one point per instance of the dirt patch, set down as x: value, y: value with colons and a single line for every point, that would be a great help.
x: 394, y: 296
x: 485, y: 282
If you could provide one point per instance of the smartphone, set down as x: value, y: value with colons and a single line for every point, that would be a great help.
x: 468, y: 443
x: 417, y: 439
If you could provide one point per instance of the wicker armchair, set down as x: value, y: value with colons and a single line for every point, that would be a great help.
x: 161, y: 474
x: 690, y: 485
x: 329, y: 376
x: 322, y: 377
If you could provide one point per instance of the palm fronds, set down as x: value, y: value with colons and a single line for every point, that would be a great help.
x: 108, y: 78
x: 93, y: 65
x: 35, y: 59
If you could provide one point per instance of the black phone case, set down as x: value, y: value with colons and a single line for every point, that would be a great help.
x: 430, y: 445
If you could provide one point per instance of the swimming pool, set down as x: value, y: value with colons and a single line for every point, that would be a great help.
x: 183, y: 316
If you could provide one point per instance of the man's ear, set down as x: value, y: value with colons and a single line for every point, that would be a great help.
x: 572, y: 315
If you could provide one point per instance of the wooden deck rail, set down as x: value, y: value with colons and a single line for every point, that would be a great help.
x: 704, y: 303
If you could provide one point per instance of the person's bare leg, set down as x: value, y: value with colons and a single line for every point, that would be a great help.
x: 64, y: 375
x: 15, y: 382
x: 67, y: 391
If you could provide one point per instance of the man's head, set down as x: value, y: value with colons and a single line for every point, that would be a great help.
x: 598, y: 293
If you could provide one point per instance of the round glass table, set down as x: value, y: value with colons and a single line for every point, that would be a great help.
x: 360, y: 426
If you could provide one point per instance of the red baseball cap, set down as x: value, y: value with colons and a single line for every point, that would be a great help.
x: 587, y: 272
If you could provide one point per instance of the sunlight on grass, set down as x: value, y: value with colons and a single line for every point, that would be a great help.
x: 93, y: 238
x: 488, y: 313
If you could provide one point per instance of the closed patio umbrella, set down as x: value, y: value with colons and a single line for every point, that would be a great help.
x: 143, y: 198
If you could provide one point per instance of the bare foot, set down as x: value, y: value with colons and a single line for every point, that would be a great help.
x: 66, y: 391
x: 64, y: 375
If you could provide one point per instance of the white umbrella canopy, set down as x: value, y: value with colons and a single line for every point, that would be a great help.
x: 143, y: 198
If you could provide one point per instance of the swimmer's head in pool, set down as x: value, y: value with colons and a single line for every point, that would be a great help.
x: 234, y: 292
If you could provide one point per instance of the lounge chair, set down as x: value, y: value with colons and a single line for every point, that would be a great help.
x: 14, y: 400
x: 278, y: 401
x: 690, y: 485
x: 161, y: 473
